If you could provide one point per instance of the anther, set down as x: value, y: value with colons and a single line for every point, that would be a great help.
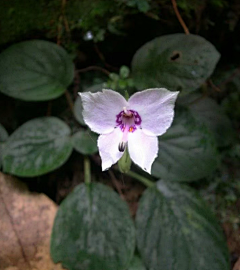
x: 122, y: 146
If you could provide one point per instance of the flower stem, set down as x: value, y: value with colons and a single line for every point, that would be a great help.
x: 140, y: 178
x: 87, y: 170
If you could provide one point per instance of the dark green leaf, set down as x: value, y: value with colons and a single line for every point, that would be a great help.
x: 93, y: 230
x: 35, y: 70
x: 187, y: 151
x: 208, y: 112
x: 178, y: 62
x: 85, y: 142
x: 176, y: 230
x: 78, y: 103
x: 37, y: 147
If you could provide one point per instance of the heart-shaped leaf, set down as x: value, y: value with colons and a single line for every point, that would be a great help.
x: 187, y: 151
x: 35, y: 70
x: 37, y: 147
x: 93, y: 230
x: 85, y: 142
x: 177, y: 62
x: 176, y: 230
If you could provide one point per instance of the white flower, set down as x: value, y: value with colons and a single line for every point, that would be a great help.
x: 135, y: 123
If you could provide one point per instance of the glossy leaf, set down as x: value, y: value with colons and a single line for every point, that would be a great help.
x: 187, y: 151
x: 176, y: 230
x: 37, y: 147
x: 177, y: 62
x: 85, y: 142
x: 78, y: 108
x: 35, y: 70
x: 93, y: 230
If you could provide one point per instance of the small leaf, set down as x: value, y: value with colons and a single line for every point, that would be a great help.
x: 78, y: 108
x: 37, y: 147
x: 35, y: 70
x: 25, y: 227
x: 93, y: 230
x: 176, y: 230
x: 124, y: 72
x: 85, y: 142
x: 187, y: 151
x: 178, y: 62
x: 208, y: 112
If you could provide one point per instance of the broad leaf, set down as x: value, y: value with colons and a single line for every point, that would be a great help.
x: 178, y: 62
x: 85, y: 142
x: 37, y: 147
x: 25, y: 227
x: 176, y: 230
x: 93, y: 230
x: 35, y: 70
x: 187, y: 151
x: 208, y: 112
x: 78, y: 108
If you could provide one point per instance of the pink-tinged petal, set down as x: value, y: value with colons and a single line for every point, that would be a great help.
x: 143, y: 149
x: 156, y: 108
x: 108, y: 148
x: 100, y: 110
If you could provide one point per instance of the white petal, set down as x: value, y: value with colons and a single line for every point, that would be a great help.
x: 156, y: 108
x: 143, y: 149
x: 108, y: 148
x: 100, y: 110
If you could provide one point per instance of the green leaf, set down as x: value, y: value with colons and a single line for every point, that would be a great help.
x: 37, y: 147
x: 35, y: 70
x: 78, y: 108
x: 136, y: 264
x: 3, y: 138
x: 187, y: 151
x: 93, y: 230
x: 85, y: 142
x: 124, y: 72
x: 178, y: 62
x: 176, y: 230
x: 208, y: 112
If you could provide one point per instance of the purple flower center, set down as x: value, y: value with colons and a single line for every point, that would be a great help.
x: 127, y: 120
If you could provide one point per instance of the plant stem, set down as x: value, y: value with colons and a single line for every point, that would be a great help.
x: 87, y: 170
x: 140, y: 178
x: 69, y: 101
x: 180, y: 17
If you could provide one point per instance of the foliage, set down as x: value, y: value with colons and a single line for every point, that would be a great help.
x: 93, y: 229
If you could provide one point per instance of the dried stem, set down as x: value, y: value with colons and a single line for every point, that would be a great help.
x: 180, y: 17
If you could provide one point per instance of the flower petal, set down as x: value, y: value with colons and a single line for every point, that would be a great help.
x: 108, y: 148
x: 100, y: 110
x: 143, y: 149
x: 156, y: 108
